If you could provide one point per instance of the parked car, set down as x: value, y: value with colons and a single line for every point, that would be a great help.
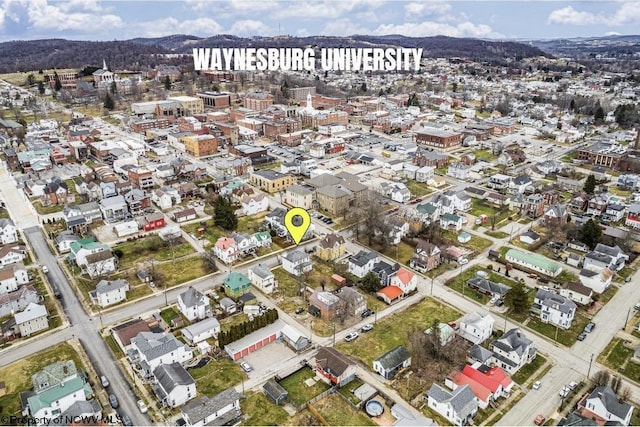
x: 366, y: 313
x: 299, y: 310
x: 536, y: 385
x: 463, y: 261
x: 539, y: 420
x: 367, y: 327
x: 564, y: 392
x: 113, y: 401
x: 351, y: 336
x: 126, y: 421
x: 246, y: 367
x: 104, y: 381
x: 142, y: 406
x: 637, y: 306
x: 45, y: 269
x: 590, y: 327
x: 572, y: 385
x: 582, y: 336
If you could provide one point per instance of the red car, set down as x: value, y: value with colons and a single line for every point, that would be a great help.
x: 539, y: 420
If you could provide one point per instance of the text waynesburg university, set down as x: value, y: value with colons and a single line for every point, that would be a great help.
x: 298, y: 59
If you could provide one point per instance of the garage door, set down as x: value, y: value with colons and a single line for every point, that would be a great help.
x: 265, y: 341
x: 236, y: 356
x: 259, y: 344
x: 245, y: 352
x: 252, y: 348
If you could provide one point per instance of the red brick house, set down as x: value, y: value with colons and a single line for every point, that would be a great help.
x: 334, y: 367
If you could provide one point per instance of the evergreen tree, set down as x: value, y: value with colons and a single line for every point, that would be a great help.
x: 31, y: 80
x: 516, y: 299
x: 167, y: 83
x: 590, y: 184
x: 41, y: 89
x: 370, y: 282
x: 572, y: 105
x: 108, y: 102
x: 57, y: 84
x: 590, y: 234
x: 114, y: 88
x: 598, y: 116
x: 363, y: 88
x: 225, y: 216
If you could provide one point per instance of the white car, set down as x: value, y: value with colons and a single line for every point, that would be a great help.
x: 141, y: 405
x: 572, y: 385
x: 246, y: 367
x: 463, y: 261
x: 45, y: 269
x: 352, y: 336
x: 564, y: 392
x: 536, y: 385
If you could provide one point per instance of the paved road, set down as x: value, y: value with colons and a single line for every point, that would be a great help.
x: 84, y: 328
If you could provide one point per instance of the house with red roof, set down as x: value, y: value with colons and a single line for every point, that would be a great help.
x: 405, y: 280
x: 226, y: 249
x: 390, y: 294
x: 458, y: 379
x: 493, y: 378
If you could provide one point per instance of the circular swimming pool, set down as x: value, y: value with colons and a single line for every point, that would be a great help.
x: 374, y: 408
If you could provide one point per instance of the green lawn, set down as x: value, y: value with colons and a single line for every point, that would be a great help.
x: 459, y: 282
x: 393, y: 331
x: 480, y: 207
x: 418, y: 189
x: 262, y: 411
x: 250, y: 224
x: 526, y: 371
x: 485, y: 155
x: 114, y: 347
x: 17, y: 376
x: 299, y: 392
x: 182, y: 270
x: 565, y: 336
x: 236, y: 319
x: 45, y: 210
x: 337, y: 412
x: 141, y: 250
x: 347, y: 391
x: 168, y: 314
x: 402, y: 252
x: 476, y: 244
x: 496, y: 234
x: 217, y: 376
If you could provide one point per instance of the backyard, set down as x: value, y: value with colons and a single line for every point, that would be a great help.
x: 393, y: 331
x: 299, y: 392
x: 139, y: 251
x: 459, y: 283
x: 564, y: 336
x: 337, y: 412
x: 418, y: 189
x: 17, y: 376
x: 619, y: 357
x: 262, y: 411
x: 217, y: 376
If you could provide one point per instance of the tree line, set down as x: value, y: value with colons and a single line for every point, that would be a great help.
x: 241, y: 330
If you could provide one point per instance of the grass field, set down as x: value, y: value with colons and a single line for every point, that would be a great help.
x: 183, y: 270
x: 299, y: 392
x: 418, y: 189
x: 217, y: 376
x: 393, y: 331
x: 337, y: 412
x: 140, y: 250
x: 17, y: 376
x: 526, y: 371
x: 564, y: 336
x: 262, y: 411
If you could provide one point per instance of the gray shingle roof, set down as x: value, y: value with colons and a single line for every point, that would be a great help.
x: 393, y: 358
x: 610, y: 401
x: 513, y: 340
x: 104, y: 286
x: 558, y: 302
x: 153, y: 345
x: 192, y: 297
x: 462, y: 399
x: 201, y: 407
x: 362, y: 258
x: 172, y: 375
x: 489, y: 286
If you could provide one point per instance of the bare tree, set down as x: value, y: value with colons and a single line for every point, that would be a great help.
x: 625, y: 393
x: 601, y: 378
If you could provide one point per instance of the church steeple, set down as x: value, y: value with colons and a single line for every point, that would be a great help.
x: 104, y: 65
x: 309, y: 103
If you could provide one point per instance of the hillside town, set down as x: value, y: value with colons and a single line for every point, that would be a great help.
x: 471, y: 257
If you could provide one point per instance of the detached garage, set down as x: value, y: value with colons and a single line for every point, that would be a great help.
x: 255, y: 340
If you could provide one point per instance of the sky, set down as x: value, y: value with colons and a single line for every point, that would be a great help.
x: 488, y: 19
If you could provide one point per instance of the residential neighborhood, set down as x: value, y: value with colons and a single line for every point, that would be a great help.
x: 470, y: 258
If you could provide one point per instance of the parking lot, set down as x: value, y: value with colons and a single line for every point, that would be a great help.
x: 268, y: 360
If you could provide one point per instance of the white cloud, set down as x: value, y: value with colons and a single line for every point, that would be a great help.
x: 249, y: 27
x: 163, y: 27
x: 430, y: 28
x: 75, y: 15
x: 2, y: 13
x: 343, y: 27
x: 627, y: 13
x: 325, y: 9
x: 424, y: 9
x: 568, y: 15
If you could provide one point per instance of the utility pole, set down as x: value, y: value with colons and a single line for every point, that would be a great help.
x: 626, y: 320
x: 590, y: 362
x: 431, y: 290
x: 334, y: 334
